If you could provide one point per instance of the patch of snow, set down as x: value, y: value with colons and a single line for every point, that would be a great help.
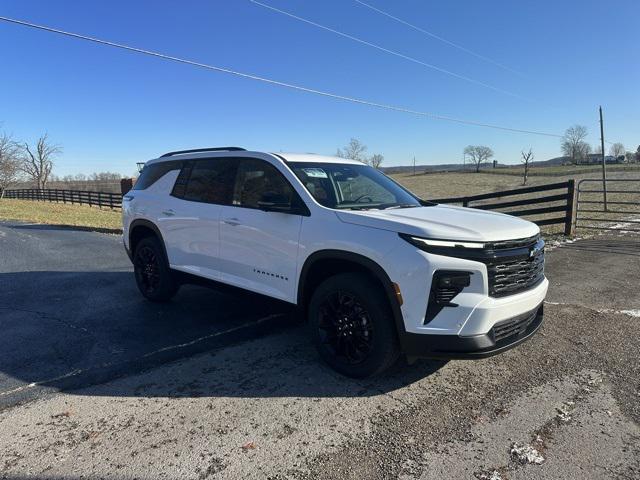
x: 553, y: 244
x: 526, y: 454
x: 492, y: 475
x: 632, y: 313
x: 564, y: 412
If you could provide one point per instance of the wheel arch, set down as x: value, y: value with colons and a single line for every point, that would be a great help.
x: 323, y: 264
x: 141, y: 228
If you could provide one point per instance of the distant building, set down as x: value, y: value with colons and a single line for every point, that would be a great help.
x: 596, y: 158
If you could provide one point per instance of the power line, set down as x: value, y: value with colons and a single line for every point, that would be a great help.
x: 390, y: 52
x: 439, y: 38
x: 273, y: 82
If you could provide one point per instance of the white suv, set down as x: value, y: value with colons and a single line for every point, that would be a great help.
x: 377, y: 271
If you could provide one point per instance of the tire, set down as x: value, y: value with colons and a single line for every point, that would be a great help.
x: 352, y: 325
x: 153, y: 275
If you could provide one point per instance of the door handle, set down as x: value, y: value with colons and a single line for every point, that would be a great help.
x: 169, y: 213
x: 231, y: 221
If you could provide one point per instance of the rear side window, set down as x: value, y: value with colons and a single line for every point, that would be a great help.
x: 152, y: 173
x: 210, y: 181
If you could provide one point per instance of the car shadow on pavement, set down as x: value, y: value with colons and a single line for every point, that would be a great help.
x: 65, y: 330
x: 61, y: 227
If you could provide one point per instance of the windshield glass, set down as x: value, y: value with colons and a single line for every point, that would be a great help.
x: 356, y: 187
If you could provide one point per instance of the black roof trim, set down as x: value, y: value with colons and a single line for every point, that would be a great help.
x: 198, y: 150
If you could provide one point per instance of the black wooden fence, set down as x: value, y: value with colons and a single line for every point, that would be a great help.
x: 563, y: 200
x: 97, y: 199
x: 564, y: 203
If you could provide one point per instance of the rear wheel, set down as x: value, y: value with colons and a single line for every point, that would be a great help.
x: 152, y: 272
x: 352, y: 325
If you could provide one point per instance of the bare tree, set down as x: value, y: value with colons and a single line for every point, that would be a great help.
x: 616, y: 150
x: 354, y: 150
x: 478, y: 154
x: 584, y: 149
x: 375, y: 160
x: 526, y: 159
x: 573, y: 144
x: 37, y: 163
x: 9, y: 163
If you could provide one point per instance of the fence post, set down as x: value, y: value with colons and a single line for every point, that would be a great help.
x: 126, y: 184
x: 572, y: 207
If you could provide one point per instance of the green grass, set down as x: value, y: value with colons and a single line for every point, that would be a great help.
x: 84, y: 216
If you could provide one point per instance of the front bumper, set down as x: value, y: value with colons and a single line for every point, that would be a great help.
x: 503, y: 336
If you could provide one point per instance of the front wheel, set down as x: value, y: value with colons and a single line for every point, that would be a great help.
x: 352, y: 325
x: 152, y: 272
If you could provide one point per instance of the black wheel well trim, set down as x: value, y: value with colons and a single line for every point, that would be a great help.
x: 151, y: 226
x: 370, y: 265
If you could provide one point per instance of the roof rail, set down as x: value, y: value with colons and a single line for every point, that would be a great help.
x: 198, y: 150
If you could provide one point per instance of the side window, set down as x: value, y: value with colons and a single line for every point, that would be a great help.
x: 209, y: 181
x: 181, y: 182
x: 152, y: 173
x: 257, y: 178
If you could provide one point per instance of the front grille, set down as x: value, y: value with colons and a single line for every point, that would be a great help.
x: 514, y: 326
x: 515, y: 275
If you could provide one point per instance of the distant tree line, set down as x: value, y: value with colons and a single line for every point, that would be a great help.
x: 575, y: 147
x: 92, y: 177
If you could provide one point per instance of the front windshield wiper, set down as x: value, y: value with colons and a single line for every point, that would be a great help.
x: 400, y: 205
x: 383, y: 206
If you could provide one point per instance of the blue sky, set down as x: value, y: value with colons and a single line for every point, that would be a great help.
x: 109, y: 108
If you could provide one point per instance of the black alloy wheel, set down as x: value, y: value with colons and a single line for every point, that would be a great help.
x: 147, y: 269
x: 345, y: 327
x: 154, y: 278
x: 352, y: 325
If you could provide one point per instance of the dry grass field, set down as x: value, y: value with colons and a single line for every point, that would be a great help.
x: 61, y: 214
x: 448, y: 185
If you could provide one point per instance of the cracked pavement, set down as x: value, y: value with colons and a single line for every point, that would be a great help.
x: 242, y: 394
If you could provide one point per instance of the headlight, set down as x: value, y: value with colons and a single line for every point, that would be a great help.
x: 429, y: 244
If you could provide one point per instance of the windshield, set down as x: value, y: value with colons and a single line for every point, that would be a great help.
x: 355, y: 187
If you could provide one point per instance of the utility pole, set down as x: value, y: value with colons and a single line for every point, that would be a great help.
x: 604, y: 162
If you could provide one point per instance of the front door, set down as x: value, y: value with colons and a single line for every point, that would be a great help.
x: 258, y: 248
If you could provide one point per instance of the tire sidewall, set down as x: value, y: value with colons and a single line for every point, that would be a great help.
x: 385, y: 349
x: 167, y: 286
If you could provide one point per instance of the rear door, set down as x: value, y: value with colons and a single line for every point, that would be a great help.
x: 259, y: 249
x: 191, y: 228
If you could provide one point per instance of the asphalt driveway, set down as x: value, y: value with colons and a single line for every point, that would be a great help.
x: 71, y: 315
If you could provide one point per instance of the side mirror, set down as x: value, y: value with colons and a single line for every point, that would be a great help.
x: 275, y: 202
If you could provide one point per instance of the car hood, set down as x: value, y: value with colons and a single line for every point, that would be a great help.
x: 444, y: 222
